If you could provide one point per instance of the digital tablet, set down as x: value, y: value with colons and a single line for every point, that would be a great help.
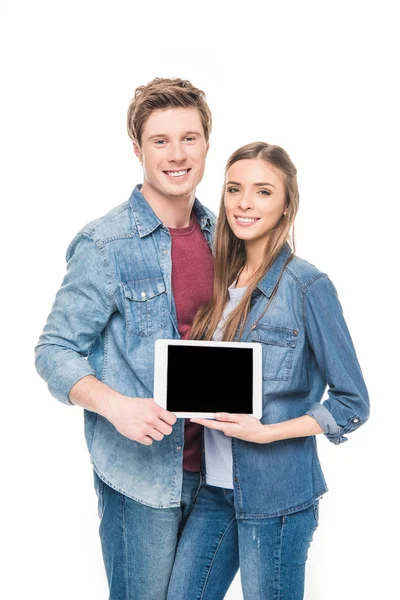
x: 198, y: 378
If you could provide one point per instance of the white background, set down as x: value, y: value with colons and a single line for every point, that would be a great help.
x: 319, y: 79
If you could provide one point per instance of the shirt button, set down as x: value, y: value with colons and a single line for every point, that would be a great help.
x: 236, y: 479
x: 355, y: 420
x: 165, y: 251
x: 143, y: 294
x: 295, y: 332
x: 179, y: 447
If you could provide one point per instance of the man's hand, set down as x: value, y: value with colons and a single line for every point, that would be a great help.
x: 139, y: 419
x: 243, y: 427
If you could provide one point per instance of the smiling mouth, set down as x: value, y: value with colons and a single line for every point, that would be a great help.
x: 177, y: 174
x: 246, y: 220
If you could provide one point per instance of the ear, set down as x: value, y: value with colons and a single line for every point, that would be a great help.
x: 207, y: 147
x: 286, y: 209
x: 137, y: 152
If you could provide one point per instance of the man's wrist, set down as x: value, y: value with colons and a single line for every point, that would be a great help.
x: 92, y: 394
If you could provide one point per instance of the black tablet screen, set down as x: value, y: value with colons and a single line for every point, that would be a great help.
x: 210, y: 379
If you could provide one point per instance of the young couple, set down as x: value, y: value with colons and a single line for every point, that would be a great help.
x: 172, y: 524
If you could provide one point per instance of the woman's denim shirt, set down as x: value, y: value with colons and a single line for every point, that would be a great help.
x: 116, y: 300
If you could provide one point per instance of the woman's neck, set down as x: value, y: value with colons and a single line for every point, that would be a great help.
x: 254, y: 259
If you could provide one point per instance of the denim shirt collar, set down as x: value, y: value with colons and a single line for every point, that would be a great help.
x: 146, y: 219
x: 270, y: 279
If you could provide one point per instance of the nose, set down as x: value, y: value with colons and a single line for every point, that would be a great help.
x: 245, y: 202
x: 176, y: 152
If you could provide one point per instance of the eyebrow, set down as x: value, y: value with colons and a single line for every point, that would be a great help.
x: 158, y: 135
x: 258, y: 184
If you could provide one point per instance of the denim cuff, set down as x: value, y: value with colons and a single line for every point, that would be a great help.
x: 324, y: 419
x: 66, y: 376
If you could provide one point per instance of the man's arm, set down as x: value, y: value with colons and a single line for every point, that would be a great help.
x: 139, y: 419
x: 82, y: 308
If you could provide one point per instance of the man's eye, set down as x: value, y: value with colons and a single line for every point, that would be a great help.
x: 190, y: 139
x: 160, y: 142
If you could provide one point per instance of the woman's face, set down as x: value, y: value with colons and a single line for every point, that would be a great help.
x: 254, y: 198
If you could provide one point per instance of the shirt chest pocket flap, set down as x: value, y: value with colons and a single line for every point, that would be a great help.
x: 145, y: 305
x: 278, y: 344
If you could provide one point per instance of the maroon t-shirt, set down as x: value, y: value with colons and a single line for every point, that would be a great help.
x: 192, y: 286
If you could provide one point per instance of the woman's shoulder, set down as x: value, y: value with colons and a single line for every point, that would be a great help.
x: 303, y: 272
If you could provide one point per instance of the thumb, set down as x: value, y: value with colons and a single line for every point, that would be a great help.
x: 224, y: 416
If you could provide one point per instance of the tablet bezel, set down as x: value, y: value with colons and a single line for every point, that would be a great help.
x: 161, y: 364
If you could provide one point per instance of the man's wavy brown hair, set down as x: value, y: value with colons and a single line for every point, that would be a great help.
x: 160, y: 94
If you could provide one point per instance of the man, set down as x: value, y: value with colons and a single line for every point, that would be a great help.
x: 137, y: 274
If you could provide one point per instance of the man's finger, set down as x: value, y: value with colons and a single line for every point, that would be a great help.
x: 167, y: 416
x: 146, y: 440
x: 155, y: 434
x: 163, y: 427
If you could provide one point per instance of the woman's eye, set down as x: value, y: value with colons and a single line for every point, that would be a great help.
x: 232, y: 190
x: 265, y: 192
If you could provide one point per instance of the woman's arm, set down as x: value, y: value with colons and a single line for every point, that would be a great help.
x: 250, y: 429
x: 347, y: 404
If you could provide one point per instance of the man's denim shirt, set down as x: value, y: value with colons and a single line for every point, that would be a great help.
x: 116, y: 300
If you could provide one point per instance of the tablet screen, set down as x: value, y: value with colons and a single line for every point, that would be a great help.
x: 209, y: 379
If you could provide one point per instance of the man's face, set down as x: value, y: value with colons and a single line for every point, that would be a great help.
x: 173, y: 151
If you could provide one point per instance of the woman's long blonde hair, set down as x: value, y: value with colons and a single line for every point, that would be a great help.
x: 230, y: 254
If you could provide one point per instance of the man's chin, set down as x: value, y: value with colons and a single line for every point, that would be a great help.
x: 179, y: 190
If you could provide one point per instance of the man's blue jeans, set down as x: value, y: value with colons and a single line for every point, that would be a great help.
x: 271, y: 553
x: 139, y: 542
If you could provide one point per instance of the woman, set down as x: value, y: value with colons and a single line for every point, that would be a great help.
x: 258, y: 505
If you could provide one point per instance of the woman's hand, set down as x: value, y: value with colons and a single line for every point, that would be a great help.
x: 243, y: 427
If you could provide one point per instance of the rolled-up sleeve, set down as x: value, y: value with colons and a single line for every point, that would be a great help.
x: 82, y: 308
x: 347, y: 406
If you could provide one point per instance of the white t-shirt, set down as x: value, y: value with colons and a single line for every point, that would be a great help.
x: 218, y: 446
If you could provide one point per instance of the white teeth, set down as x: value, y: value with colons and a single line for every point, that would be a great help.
x: 245, y: 220
x: 177, y: 173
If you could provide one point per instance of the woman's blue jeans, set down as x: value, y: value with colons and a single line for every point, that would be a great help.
x: 271, y: 553
x: 139, y: 542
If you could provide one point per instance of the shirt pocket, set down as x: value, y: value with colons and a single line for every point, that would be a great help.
x: 145, y: 305
x: 278, y: 344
